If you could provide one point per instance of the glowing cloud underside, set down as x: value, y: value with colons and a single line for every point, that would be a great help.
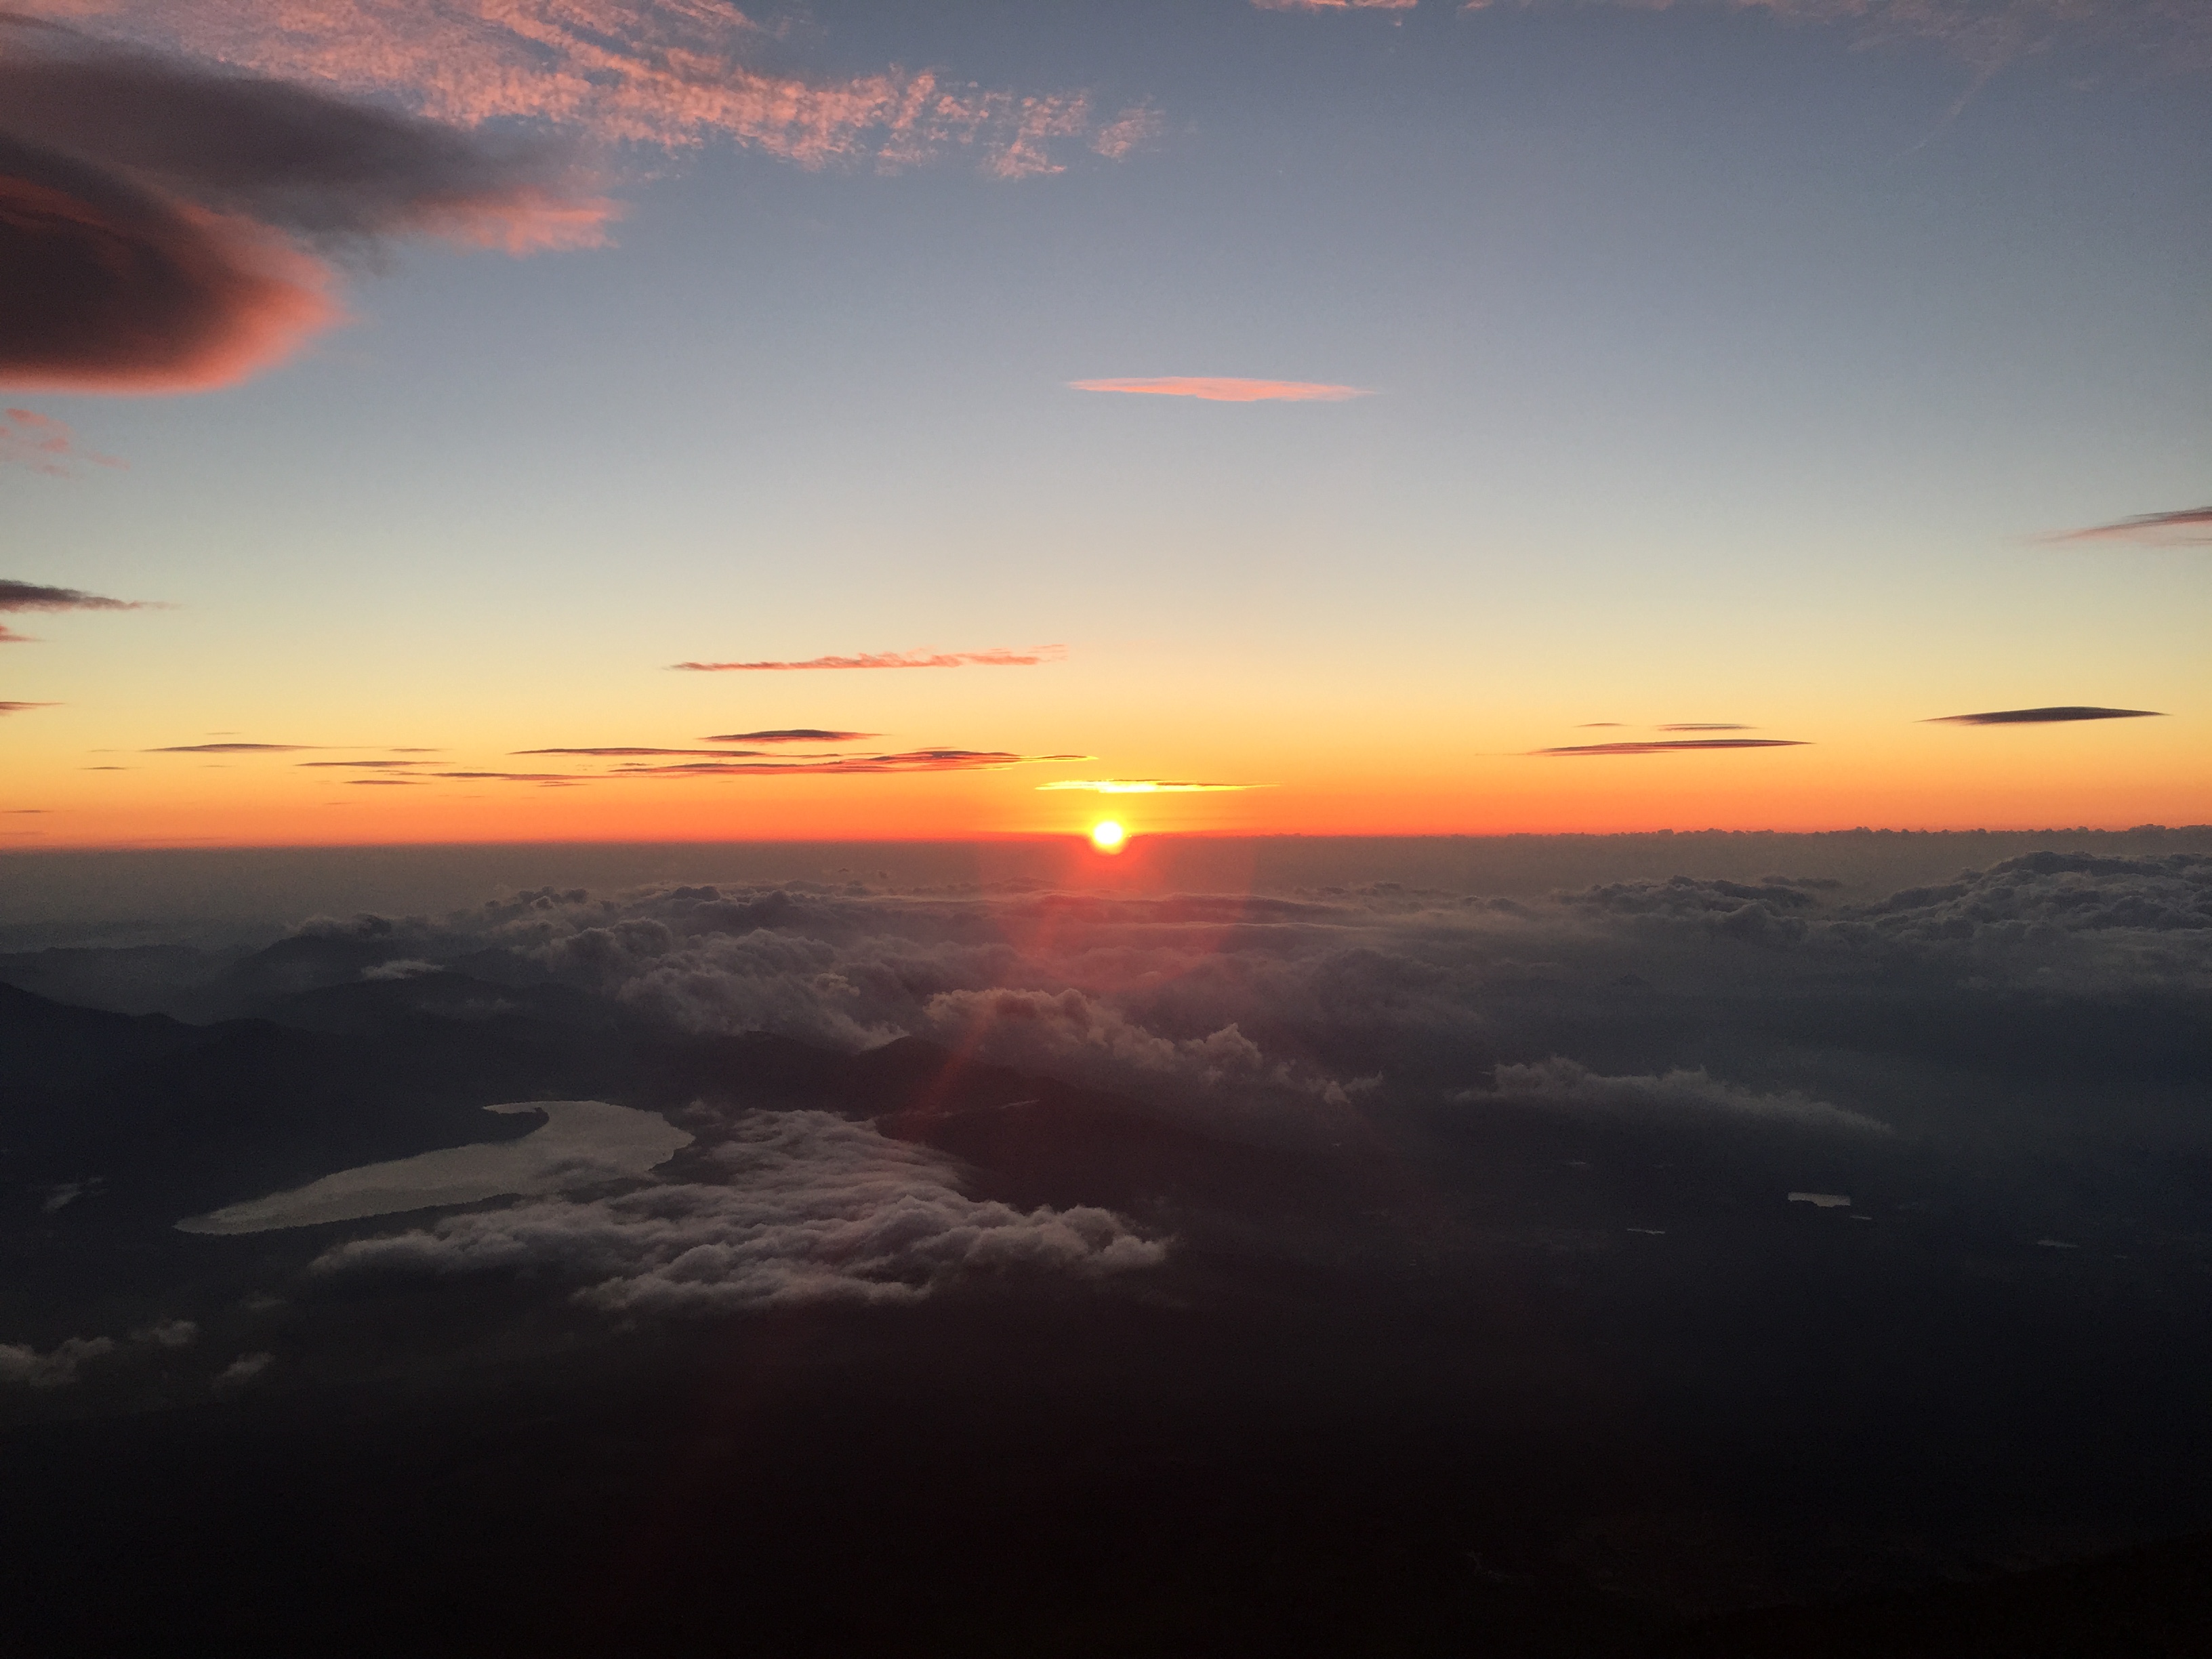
x: 1221, y: 388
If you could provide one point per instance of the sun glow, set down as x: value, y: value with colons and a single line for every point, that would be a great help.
x: 1107, y: 835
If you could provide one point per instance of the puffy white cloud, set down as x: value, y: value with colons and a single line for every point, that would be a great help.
x: 2115, y: 922
x: 242, y: 1370
x: 804, y: 1206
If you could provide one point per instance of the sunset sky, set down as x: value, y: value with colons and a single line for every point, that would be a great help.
x: 896, y: 409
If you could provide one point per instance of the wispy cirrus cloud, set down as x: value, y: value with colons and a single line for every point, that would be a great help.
x: 43, y: 444
x: 1035, y: 654
x: 25, y: 708
x: 1148, y: 786
x: 612, y: 753
x: 231, y: 749
x: 918, y: 760
x: 670, y: 74
x: 2057, y: 716
x: 1225, y: 389
x: 798, y: 734
x: 1672, y: 746
x: 2190, y: 526
x: 164, y: 225
x: 550, y: 779
x: 1704, y: 726
x: 369, y: 765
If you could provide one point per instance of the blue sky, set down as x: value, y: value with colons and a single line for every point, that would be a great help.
x: 1724, y: 365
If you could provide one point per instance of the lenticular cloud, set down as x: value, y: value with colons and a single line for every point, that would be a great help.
x: 162, y: 224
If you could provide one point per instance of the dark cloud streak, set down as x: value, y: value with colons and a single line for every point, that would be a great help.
x: 2044, y: 716
x: 1672, y: 746
x: 2189, y: 525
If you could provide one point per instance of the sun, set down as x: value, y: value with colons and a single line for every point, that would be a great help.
x: 1107, y: 835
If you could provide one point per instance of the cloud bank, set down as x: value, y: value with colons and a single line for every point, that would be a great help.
x: 1222, y: 389
x: 788, y: 1208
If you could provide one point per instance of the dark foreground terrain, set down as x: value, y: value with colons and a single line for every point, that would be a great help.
x: 915, y: 1350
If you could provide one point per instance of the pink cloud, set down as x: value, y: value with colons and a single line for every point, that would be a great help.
x: 157, y: 217
x: 1128, y: 131
x: 1336, y: 5
x: 1222, y: 389
x: 892, y: 659
x: 674, y: 74
x: 42, y: 444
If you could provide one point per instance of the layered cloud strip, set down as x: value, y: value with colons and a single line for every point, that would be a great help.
x: 794, y: 734
x: 672, y: 74
x: 1673, y: 745
x: 786, y: 1208
x: 995, y: 658
x: 17, y: 596
x: 1278, y: 1017
x: 2057, y: 716
x: 919, y: 760
x: 166, y: 226
x: 1222, y: 389
x: 2192, y: 527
